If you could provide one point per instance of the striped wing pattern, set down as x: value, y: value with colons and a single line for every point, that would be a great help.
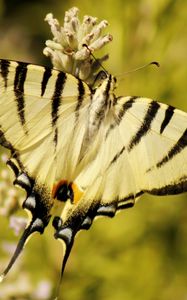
x: 39, y: 112
x: 143, y: 151
x: 108, y: 150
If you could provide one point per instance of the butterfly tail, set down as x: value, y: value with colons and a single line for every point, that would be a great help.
x: 39, y: 209
x: 24, y: 238
x: 66, y: 235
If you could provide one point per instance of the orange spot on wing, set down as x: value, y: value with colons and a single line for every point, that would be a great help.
x: 77, y: 192
x: 56, y: 187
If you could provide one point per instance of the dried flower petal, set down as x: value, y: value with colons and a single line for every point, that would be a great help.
x: 67, y: 50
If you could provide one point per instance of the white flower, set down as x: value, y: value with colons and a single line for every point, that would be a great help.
x: 73, y: 44
x: 17, y: 224
x: 43, y: 290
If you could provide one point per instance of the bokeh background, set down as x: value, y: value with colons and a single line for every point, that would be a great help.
x: 141, y: 254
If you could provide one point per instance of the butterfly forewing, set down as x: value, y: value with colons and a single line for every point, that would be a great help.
x: 40, y: 109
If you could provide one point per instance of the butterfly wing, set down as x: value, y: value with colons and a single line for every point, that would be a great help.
x: 38, y: 107
x: 142, y: 149
x: 156, y: 145
x: 39, y: 111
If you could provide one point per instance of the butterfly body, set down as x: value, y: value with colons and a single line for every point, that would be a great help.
x: 100, y: 105
x: 94, y: 151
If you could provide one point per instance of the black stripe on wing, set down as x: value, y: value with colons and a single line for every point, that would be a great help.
x: 13, y: 166
x: 125, y: 107
x: 129, y: 200
x: 178, y: 187
x: 126, y: 205
x: 177, y: 148
x: 4, y: 142
x: 168, y: 116
x: 171, y: 189
x: 81, y: 93
x: 46, y: 75
x: 146, y: 124
x: 116, y: 156
x: 56, y: 102
x: 4, y: 69
x: 14, y: 153
x: 19, y: 81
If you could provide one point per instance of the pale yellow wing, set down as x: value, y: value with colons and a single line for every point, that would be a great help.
x: 40, y: 113
x: 142, y: 149
x: 40, y: 109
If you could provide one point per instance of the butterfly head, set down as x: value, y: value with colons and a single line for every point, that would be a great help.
x: 103, y: 77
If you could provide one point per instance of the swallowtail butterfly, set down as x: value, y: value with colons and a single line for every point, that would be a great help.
x: 94, y: 151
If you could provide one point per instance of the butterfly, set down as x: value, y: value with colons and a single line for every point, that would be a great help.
x: 91, y: 151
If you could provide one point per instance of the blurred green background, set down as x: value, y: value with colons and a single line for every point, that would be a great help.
x: 142, y: 253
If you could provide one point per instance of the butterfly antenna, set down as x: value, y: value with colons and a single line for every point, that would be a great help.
x: 18, y: 250
x: 155, y: 63
x: 84, y: 45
